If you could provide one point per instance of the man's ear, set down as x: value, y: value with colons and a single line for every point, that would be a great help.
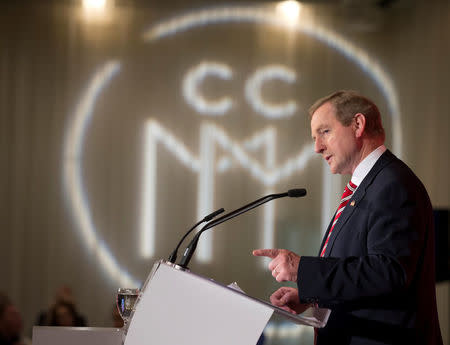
x: 359, y: 124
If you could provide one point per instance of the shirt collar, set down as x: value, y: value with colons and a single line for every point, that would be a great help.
x: 366, y: 164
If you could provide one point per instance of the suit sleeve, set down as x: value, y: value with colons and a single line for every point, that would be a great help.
x: 390, y: 230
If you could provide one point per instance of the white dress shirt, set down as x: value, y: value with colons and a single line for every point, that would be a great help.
x: 366, y: 164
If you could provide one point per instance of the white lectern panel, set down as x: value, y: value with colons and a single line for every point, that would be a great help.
x: 181, y: 308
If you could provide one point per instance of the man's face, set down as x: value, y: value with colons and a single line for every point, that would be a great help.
x: 335, y: 142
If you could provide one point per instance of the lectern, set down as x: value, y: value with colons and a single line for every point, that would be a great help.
x: 177, y: 306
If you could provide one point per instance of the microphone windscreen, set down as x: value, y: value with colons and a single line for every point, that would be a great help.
x: 213, y: 215
x: 296, y: 193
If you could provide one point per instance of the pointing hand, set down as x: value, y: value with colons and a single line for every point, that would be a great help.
x: 284, y: 264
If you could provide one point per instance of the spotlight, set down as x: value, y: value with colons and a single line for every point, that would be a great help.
x: 290, y: 9
x: 95, y: 5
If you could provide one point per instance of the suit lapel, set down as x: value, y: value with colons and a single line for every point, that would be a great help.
x: 326, y: 234
x: 384, y: 159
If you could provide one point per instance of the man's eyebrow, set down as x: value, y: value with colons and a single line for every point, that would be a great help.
x: 321, y: 127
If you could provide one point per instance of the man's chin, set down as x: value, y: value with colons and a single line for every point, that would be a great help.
x: 333, y: 169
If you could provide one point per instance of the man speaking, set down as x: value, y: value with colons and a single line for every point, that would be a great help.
x: 375, y: 269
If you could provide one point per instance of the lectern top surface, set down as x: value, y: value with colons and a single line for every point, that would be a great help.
x: 44, y: 335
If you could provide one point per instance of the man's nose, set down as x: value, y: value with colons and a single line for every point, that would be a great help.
x: 318, y: 146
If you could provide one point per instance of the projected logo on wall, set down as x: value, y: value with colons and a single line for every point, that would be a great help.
x: 204, y: 160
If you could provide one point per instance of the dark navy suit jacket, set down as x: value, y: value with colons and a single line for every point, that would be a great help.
x: 378, y: 273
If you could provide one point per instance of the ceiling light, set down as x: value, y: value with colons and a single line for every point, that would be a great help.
x: 95, y: 5
x: 290, y: 9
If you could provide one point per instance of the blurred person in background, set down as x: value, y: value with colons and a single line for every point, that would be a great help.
x: 11, y: 325
x: 62, y: 314
x: 63, y: 311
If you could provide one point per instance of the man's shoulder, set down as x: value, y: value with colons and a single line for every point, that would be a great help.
x: 390, y: 167
x: 396, y: 175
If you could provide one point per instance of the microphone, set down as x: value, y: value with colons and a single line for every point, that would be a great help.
x: 292, y: 193
x: 209, y: 217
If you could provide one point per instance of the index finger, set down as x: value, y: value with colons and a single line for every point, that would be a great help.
x: 271, y: 253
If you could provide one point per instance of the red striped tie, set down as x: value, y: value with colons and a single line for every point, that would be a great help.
x: 346, y: 196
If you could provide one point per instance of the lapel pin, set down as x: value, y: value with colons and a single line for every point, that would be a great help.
x: 352, y: 203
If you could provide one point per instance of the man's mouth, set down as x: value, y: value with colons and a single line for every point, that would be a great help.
x: 327, y: 158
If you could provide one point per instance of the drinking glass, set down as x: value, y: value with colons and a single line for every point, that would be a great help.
x: 126, y: 298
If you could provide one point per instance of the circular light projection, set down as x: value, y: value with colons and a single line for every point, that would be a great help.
x: 73, y: 147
